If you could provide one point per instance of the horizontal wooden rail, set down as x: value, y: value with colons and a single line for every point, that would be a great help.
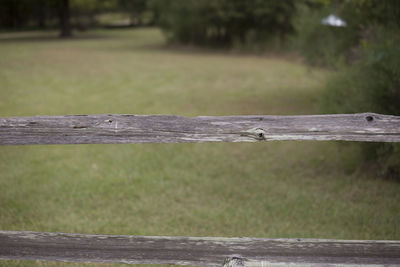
x: 202, y: 251
x: 114, y: 129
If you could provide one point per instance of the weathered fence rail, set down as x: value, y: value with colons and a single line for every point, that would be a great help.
x: 202, y: 251
x: 107, y: 129
x: 212, y: 251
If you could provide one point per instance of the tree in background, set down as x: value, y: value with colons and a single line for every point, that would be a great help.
x: 13, y: 13
x: 224, y: 22
x: 65, y: 17
x: 326, y: 45
x: 25, y: 14
x: 136, y: 8
x: 368, y: 72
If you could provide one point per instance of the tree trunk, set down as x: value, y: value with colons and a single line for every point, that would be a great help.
x: 41, y: 18
x: 65, y: 25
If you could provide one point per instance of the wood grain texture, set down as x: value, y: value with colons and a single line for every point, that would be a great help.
x: 201, y: 251
x: 116, y: 129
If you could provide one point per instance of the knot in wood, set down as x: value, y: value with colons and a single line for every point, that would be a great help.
x: 260, y: 134
x: 256, y: 133
x: 369, y: 118
x: 234, y: 261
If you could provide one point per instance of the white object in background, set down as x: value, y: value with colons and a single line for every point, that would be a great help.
x: 333, y: 20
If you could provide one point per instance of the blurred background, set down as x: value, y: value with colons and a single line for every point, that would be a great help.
x: 191, y: 58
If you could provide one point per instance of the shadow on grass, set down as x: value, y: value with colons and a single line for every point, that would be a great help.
x: 104, y: 32
x: 29, y: 37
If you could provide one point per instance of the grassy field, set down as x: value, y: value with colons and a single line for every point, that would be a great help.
x: 276, y: 189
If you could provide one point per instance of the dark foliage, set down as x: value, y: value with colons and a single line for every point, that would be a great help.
x: 63, y: 14
x: 224, y: 22
x: 366, y: 55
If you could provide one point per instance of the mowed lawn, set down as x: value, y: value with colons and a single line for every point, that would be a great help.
x: 269, y: 189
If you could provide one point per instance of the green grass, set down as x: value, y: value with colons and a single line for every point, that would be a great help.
x: 273, y: 189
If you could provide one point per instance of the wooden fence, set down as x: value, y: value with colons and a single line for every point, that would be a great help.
x: 203, y: 251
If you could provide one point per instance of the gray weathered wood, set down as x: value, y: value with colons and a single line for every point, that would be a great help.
x: 107, y: 129
x: 202, y: 251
